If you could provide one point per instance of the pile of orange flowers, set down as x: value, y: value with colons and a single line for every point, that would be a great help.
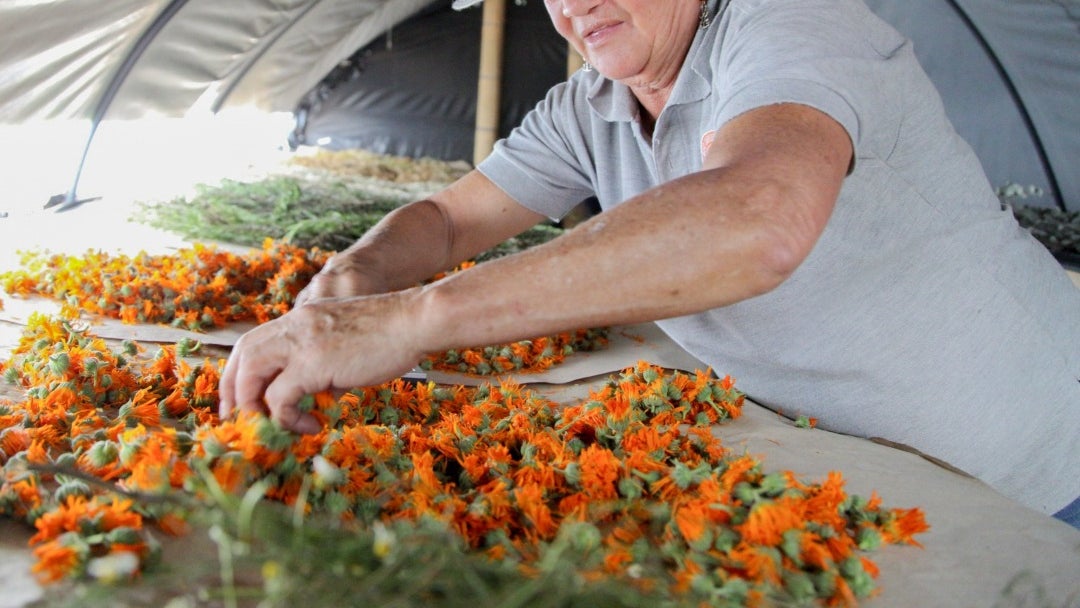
x: 203, y: 287
x: 636, y: 464
x: 195, y: 288
x: 524, y: 356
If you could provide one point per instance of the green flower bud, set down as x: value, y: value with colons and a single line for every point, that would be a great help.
x: 868, y: 539
x: 745, y: 493
x: 572, y: 474
x: 72, y: 488
x: 103, y: 453
x: 583, y: 536
x: 773, y: 484
x: 59, y: 363
x: 65, y: 460
x: 124, y: 536
x: 630, y: 488
x: 800, y: 586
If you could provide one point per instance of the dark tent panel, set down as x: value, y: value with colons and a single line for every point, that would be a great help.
x: 1008, y: 71
x: 412, y: 92
x: 1009, y: 74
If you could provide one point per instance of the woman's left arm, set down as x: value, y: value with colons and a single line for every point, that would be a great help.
x: 734, y: 230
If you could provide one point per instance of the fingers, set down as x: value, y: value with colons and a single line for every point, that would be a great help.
x: 325, y: 345
x: 242, y: 390
x: 253, y: 364
x: 282, y: 396
x: 227, y: 385
x: 313, y: 291
x: 261, y: 376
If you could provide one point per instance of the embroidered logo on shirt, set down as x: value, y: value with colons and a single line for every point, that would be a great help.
x: 706, y: 143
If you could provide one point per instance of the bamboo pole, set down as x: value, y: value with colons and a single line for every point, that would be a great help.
x: 573, y: 60
x: 490, y: 77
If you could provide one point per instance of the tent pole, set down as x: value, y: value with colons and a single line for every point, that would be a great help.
x: 1018, y: 100
x: 490, y: 78
x: 70, y: 199
x: 573, y: 60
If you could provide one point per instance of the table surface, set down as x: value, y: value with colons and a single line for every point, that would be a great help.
x: 982, y: 550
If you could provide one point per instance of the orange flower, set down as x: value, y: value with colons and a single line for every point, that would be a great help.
x: 903, y: 524
x: 768, y: 520
x: 737, y: 471
x: 500, y: 466
x: 759, y: 565
x: 152, y: 466
x: 55, y: 560
x: 692, y: 521
x: 530, y: 500
x: 12, y: 441
x: 600, y: 470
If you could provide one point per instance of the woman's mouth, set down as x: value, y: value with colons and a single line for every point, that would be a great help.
x: 597, y: 33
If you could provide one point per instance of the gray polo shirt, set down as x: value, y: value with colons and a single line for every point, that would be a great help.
x: 923, y: 315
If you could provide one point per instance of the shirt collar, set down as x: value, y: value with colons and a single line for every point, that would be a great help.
x: 613, y: 102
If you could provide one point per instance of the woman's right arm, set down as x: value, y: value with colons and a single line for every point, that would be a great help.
x: 419, y: 240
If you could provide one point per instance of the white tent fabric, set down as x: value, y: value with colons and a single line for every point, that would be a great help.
x: 59, y: 57
x: 1008, y: 70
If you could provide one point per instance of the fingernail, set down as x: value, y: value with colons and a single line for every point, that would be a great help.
x: 308, y: 425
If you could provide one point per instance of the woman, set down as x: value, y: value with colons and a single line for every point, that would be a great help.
x: 782, y: 192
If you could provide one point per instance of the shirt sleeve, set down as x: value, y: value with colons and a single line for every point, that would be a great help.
x: 834, y: 56
x: 541, y: 164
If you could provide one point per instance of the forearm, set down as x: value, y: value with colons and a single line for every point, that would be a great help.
x: 419, y: 240
x: 390, y: 255
x: 670, y: 252
x: 732, y: 231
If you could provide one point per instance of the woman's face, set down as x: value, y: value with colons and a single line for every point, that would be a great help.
x: 635, y: 41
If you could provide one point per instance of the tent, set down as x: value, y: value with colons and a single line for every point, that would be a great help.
x: 1007, y: 69
x: 412, y: 92
x: 1009, y: 73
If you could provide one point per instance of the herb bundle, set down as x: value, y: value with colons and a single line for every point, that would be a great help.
x: 303, y: 211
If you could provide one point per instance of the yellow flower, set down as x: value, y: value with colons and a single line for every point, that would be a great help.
x: 385, y: 541
x: 114, y: 567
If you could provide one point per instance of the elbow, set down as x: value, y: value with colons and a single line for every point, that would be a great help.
x: 769, y: 265
x: 783, y: 242
x: 778, y: 260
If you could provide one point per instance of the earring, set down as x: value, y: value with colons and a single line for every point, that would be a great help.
x: 586, y: 67
x: 703, y: 19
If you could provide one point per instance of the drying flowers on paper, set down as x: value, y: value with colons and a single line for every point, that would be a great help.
x: 414, y: 494
x: 205, y: 287
x: 110, y: 449
x: 197, y: 288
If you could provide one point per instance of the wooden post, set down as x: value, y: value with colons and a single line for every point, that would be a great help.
x: 490, y: 78
x: 573, y: 60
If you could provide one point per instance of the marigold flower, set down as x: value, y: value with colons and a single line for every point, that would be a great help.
x: 638, y: 461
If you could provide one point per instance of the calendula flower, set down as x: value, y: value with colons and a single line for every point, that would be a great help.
x: 58, y: 558
x: 637, y: 463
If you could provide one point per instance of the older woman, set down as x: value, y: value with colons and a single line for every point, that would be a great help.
x: 782, y: 192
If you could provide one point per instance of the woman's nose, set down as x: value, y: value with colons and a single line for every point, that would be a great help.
x: 578, y: 8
